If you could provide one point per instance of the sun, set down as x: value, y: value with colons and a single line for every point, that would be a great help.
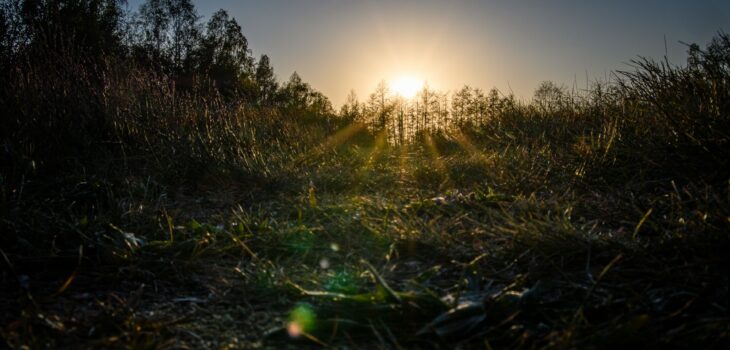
x: 406, y: 86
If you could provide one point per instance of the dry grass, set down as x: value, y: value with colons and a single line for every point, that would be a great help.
x: 138, y: 217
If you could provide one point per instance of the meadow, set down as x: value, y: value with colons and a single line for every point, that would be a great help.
x: 141, y: 211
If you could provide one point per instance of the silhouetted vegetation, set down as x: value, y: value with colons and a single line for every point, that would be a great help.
x: 161, y: 188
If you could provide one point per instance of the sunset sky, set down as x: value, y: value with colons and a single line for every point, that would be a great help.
x: 338, y: 45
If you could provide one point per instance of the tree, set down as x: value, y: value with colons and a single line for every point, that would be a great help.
x: 494, y: 103
x: 351, y: 109
x: 380, y: 106
x: 295, y: 92
x: 443, y: 109
x: 401, y: 110
x: 12, y: 35
x: 266, y: 82
x: 549, y: 97
x: 225, y: 50
x: 168, y: 33
x: 298, y: 96
x: 319, y: 104
x: 428, y: 105
x: 460, y: 103
x: 92, y: 27
x: 477, y: 108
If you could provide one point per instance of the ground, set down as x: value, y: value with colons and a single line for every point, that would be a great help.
x: 439, y: 244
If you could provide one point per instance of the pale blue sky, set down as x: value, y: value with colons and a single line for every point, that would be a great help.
x: 337, y: 45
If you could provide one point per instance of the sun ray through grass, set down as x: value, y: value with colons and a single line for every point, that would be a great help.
x: 466, y: 144
x: 404, y: 158
x: 437, y: 160
x: 337, y: 139
x: 371, y: 161
x: 344, y: 134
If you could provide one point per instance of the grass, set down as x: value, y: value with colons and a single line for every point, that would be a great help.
x: 198, y: 223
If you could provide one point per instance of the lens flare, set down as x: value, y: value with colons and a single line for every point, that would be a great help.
x: 301, y: 320
x: 324, y: 263
x: 294, y: 329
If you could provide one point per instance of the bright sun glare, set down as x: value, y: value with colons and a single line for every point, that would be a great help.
x: 406, y: 86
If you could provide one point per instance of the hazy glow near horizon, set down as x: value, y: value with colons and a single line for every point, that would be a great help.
x: 406, y: 86
x: 338, y: 45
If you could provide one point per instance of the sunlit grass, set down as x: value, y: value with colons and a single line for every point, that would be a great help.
x: 466, y: 144
x: 371, y: 160
x: 437, y: 160
x: 344, y: 135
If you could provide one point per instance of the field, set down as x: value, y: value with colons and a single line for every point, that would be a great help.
x: 135, y: 214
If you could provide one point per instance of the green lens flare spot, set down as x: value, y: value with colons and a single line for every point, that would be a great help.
x: 302, y: 320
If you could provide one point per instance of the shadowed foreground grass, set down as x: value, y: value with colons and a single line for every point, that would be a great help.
x: 401, y: 249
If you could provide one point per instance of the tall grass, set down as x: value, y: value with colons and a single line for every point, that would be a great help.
x: 590, y: 223
x: 80, y: 128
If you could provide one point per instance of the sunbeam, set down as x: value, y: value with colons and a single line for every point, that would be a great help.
x: 437, y: 159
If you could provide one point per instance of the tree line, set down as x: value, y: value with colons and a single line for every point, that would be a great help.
x: 163, y: 36
x: 213, y: 59
x: 168, y: 37
x: 430, y: 109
